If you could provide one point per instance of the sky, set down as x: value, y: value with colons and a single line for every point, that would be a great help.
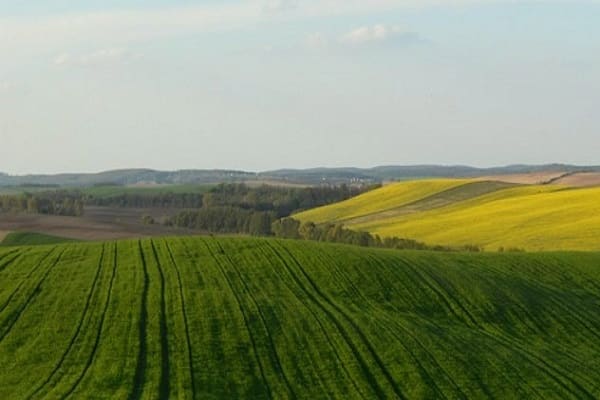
x: 265, y: 84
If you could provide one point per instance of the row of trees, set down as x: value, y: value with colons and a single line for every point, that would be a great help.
x: 148, y: 200
x: 280, y: 200
x: 283, y: 201
x: 291, y: 228
x: 51, y: 203
x: 225, y: 219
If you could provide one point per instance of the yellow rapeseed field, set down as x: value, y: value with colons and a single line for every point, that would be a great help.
x: 385, y: 198
x: 532, y: 217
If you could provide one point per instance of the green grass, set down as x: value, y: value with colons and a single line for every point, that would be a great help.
x: 32, y: 239
x: 111, y: 191
x: 211, y: 318
x: 487, y: 214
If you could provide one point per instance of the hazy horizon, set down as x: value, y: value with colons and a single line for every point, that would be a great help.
x: 262, y: 85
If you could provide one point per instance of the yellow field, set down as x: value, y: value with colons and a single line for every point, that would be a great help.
x: 531, y: 217
x: 388, y: 197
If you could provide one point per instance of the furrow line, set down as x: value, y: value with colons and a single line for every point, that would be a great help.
x: 244, y: 316
x: 442, y: 294
x: 17, y: 314
x: 140, y: 369
x: 6, y: 263
x: 185, y: 319
x: 524, y: 382
x: 425, y: 373
x: 26, y: 279
x: 274, y: 351
x: 554, y: 372
x: 98, y: 333
x: 364, y: 365
x: 77, y: 331
x: 164, y: 387
x: 433, y: 358
x: 319, y: 322
x: 541, y: 364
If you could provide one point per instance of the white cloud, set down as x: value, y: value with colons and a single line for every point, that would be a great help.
x: 375, y: 33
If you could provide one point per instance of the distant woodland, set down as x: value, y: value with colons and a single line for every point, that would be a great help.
x: 233, y: 208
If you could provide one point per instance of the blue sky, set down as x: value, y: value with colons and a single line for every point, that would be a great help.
x: 281, y: 83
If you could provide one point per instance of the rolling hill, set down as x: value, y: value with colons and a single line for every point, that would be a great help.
x: 210, y: 318
x: 310, y: 176
x: 474, y: 212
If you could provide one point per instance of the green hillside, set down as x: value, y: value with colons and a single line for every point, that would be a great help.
x: 483, y: 213
x: 198, y: 318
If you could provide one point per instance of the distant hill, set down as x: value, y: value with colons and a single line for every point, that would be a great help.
x: 311, y: 176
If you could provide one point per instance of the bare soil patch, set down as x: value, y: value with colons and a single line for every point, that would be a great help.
x: 98, y: 223
x: 580, y: 179
x: 535, y: 178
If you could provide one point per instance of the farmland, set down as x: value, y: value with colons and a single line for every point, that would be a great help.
x: 30, y: 238
x: 483, y: 213
x: 262, y: 318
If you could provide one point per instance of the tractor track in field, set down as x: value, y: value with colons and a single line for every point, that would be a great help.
x: 244, y: 316
x: 422, y: 369
x: 23, y: 281
x: 77, y: 331
x: 556, y: 373
x: 185, y: 319
x: 274, y: 352
x: 92, y: 355
x: 164, y: 385
x: 4, y: 264
x: 559, y: 304
x: 17, y: 314
x: 439, y: 291
x: 433, y: 358
x: 510, y: 343
x: 574, y: 313
x: 314, y: 315
x: 140, y: 369
x: 347, y: 337
x: 533, y: 389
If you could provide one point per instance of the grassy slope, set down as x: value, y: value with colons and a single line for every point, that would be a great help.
x: 31, y: 239
x: 536, y: 217
x: 260, y: 318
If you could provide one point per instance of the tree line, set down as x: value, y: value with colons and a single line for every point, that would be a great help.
x: 147, y: 200
x: 50, y: 203
x: 290, y: 228
x: 238, y: 208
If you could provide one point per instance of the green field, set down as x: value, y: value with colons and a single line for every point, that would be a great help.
x: 117, y: 190
x: 486, y: 214
x: 31, y: 239
x: 208, y: 318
